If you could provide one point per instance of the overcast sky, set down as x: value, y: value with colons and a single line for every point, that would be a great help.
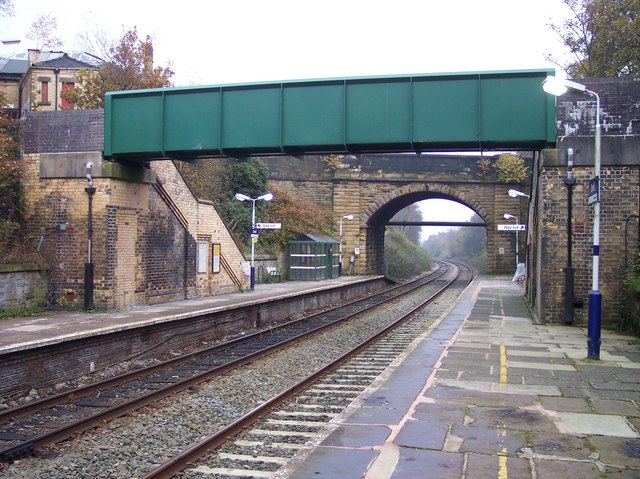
x: 237, y: 41
x: 217, y: 42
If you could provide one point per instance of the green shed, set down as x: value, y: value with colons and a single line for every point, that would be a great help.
x: 313, y: 257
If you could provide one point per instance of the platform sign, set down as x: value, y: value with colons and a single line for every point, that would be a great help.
x: 594, y: 191
x: 511, y: 227
x: 269, y: 226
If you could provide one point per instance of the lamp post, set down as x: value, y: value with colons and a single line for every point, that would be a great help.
x: 346, y: 217
x: 569, y: 272
x: 509, y: 216
x: 243, y: 197
x: 557, y: 87
x: 88, y: 266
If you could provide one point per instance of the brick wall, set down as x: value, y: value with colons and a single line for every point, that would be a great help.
x: 619, y: 108
x: 620, y: 199
x: 62, y: 131
x: 144, y: 232
x: 620, y: 190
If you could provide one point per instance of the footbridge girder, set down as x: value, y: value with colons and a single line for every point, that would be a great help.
x: 457, y: 111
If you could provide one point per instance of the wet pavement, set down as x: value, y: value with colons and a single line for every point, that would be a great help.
x: 486, y: 393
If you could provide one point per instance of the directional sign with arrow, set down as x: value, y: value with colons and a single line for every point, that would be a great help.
x: 269, y: 226
x: 511, y: 227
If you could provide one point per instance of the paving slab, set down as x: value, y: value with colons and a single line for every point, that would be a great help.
x: 564, y: 446
x: 623, y: 408
x: 490, y: 440
x: 518, y: 419
x: 616, y: 450
x: 359, y: 436
x: 432, y: 464
x: 333, y: 463
x: 601, y: 424
x: 550, y: 469
x: 483, y: 466
x: 565, y: 404
x: 423, y: 435
x: 446, y: 413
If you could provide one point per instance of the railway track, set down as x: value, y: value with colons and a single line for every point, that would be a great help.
x: 258, y: 444
x: 37, y: 425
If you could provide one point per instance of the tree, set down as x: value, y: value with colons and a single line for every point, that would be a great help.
x: 296, y: 215
x: 411, y: 213
x: 129, y: 67
x: 11, y: 198
x: 220, y: 179
x: 463, y: 244
x: 403, y: 258
x: 6, y: 8
x: 43, y: 32
x: 603, y: 37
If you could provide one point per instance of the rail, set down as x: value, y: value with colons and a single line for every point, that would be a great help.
x: 194, y: 453
x: 144, y: 382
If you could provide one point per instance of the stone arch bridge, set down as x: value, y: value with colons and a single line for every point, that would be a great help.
x: 374, y: 188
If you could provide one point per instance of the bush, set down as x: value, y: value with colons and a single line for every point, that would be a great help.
x: 630, y: 311
x: 511, y: 168
x: 404, y: 259
x: 11, y: 196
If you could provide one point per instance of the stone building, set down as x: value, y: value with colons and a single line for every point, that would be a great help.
x: 36, y: 80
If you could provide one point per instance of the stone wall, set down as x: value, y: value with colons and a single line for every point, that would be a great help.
x: 22, y: 286
x: 375, y: 187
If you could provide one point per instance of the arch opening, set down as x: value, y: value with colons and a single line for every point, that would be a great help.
x: 410, y: 218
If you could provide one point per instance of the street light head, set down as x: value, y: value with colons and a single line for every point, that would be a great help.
x: 266, y: 197
x: 507, y: 216
x: 241, y: 197
x: 516, y: 193
x: 348, y: 217
x: 558, y: 86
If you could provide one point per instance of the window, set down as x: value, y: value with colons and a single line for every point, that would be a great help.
x: 44, y: 92
x: 66, y: 88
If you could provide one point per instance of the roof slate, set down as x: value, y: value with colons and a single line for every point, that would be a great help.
x: 65, y: 61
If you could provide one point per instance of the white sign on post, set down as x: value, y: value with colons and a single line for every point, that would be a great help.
x: 269, y: 226
x: 511, y: 227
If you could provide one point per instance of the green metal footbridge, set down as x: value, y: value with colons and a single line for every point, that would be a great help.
x: 439, y: 112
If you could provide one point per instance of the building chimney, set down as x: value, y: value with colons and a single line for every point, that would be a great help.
x: 34, y: 55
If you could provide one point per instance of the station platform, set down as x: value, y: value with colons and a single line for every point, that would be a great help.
x: 486, y: 393
x: 52, y: 327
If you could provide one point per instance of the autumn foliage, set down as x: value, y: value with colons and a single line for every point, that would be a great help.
x: 218, y: 180
x: 11, y: 197
x: 296, y: 215
x: 603, y: 38
x: 129, y: 67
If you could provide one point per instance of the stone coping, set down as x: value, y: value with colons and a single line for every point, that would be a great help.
x: 21, y: 267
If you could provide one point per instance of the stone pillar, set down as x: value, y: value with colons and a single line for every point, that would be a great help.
x: 374, y: 259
